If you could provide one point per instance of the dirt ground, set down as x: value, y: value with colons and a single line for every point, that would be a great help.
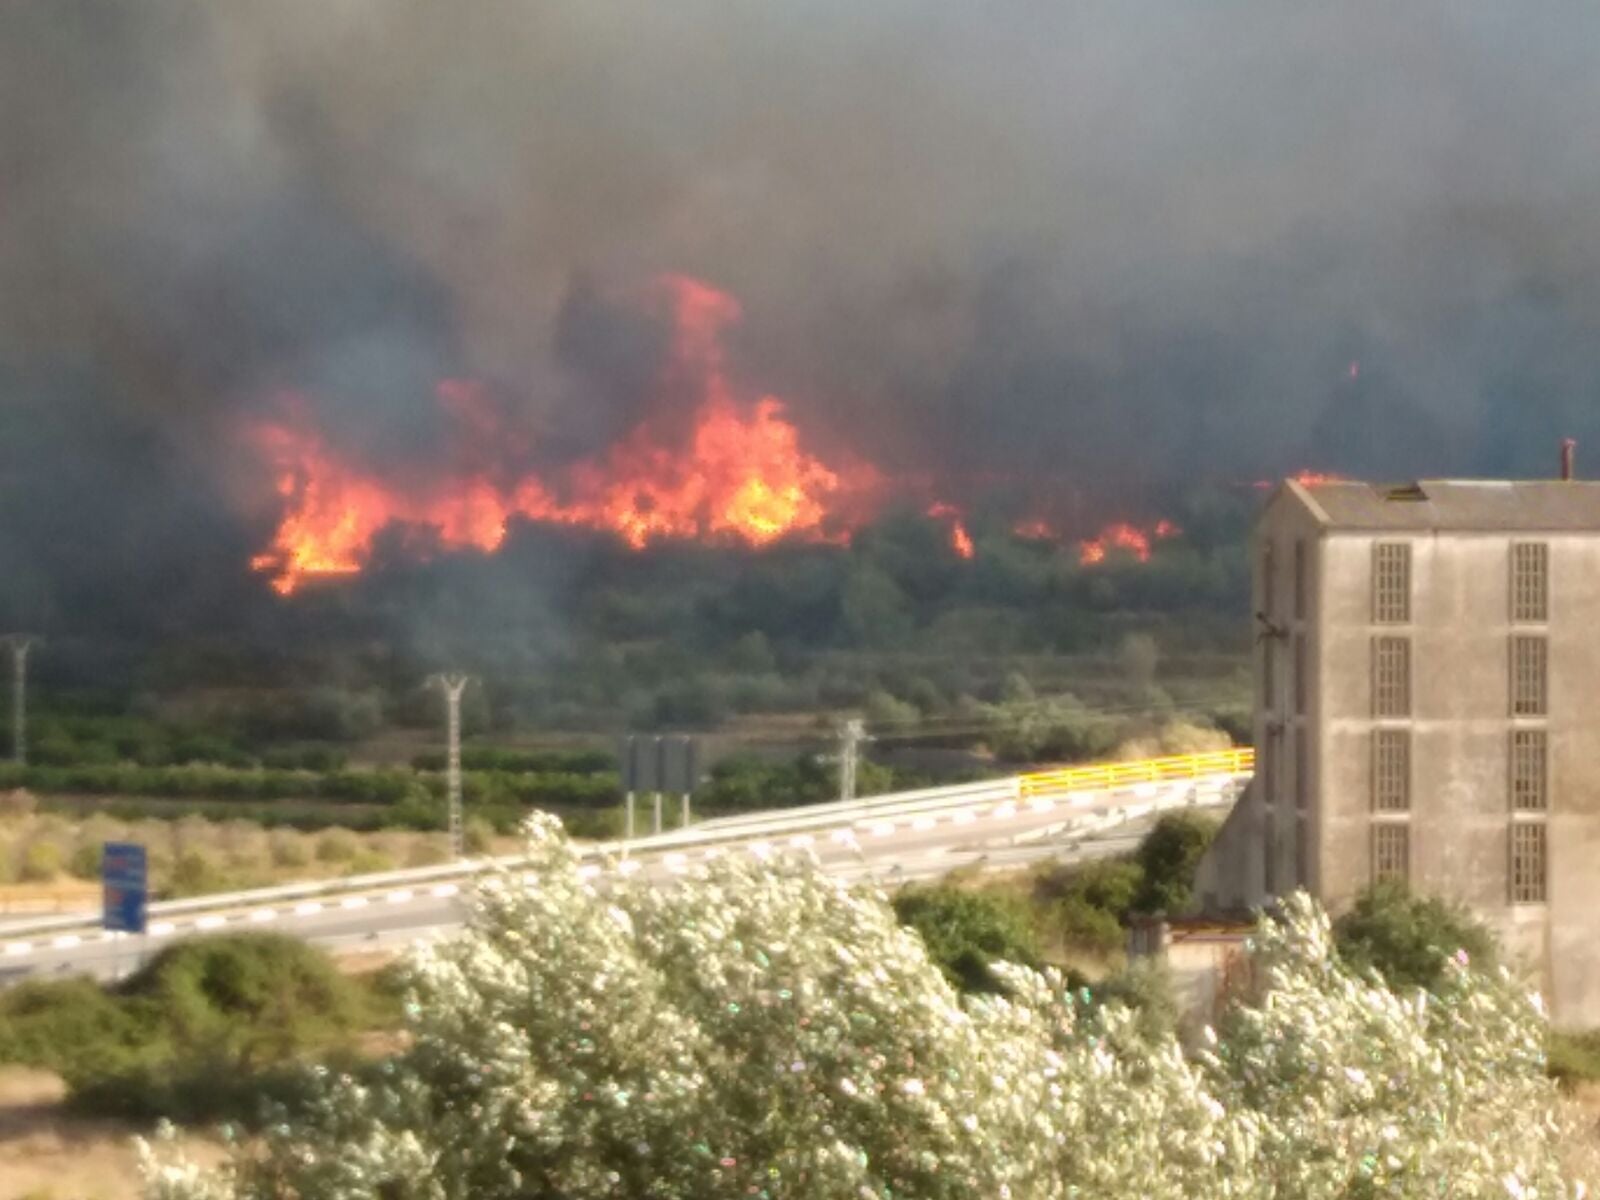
x: 45, y: 1155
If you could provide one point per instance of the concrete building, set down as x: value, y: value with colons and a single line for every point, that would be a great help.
x: 1427, y: 670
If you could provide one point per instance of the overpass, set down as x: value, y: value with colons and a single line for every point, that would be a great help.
x: 1079, y: 811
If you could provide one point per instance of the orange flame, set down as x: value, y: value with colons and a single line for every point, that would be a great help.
x: 1306, y: 478
x: 960, y: 539
x: 743, y: 474
x: 1120, y: 535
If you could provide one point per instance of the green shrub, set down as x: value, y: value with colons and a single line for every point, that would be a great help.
x: 41, y: 862
x: 86, y: 859
x: 288, y: 850
x: 336, y: 846
x: 1145, y: 986
x: 1169, y: 856
x: 967, y: 931
x: 194, y: 874
x: 1407, y: 938
x: 370, y: 862
x: 1575, y: 1057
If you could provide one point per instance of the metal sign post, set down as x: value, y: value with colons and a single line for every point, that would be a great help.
x: 125, y: 883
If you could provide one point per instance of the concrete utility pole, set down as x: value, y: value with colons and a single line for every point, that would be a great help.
x: 19, y: 643
x: 851, y: 735
x: 452, y: 686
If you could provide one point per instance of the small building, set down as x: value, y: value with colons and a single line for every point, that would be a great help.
x: 1427, y: 709
x: 1208, y: 962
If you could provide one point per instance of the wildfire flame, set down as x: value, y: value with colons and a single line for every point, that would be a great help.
x: 960, y: 539
x: 1120, y: 535
x: 737, y: 470
x: 1306, y: 478
x: 743, y: 474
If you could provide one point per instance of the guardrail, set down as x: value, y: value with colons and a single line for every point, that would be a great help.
x: 1034, y: 788
x: 1101, y: 776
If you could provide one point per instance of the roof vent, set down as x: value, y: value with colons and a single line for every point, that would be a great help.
x: 1568, y: 447
x: 1407, y: 492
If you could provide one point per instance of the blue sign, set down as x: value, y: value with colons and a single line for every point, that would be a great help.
x: 127, y: 892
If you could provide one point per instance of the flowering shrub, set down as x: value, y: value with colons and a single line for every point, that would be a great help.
x: 764, y: 1031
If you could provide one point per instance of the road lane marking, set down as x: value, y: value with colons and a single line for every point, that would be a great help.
x: 15, y: 948
x: 801, y: 840
x: 354, y: 902
x: 881, y: 828
x: 441, y: 890
x: 627, y: 866
x: 162, y: 928
x: 923, y: 823
x: 1007, y: 809
x: 307, y: 909
x: 588, y: 870
x: 965, y: 817
x: 262, y: 915
x: 399, y: 897
x: 1041, y: 804
x: 65, y: 942
x: 674, y: 858
x: 211, y: 922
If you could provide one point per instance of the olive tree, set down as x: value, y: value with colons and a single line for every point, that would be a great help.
x: 761, y: 1030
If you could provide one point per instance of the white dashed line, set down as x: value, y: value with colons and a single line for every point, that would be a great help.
x: 444, y: 889
x: 675, y: 858
x: 760, y: 850
x: 965, y: 817
x: 354, y: 902
x: 262, y: 915
x: 211, y: 922
x: 161, y: 929
x: 65, y: 942
x: 1008, y: 809
x: 844, y: 837
x: 1041, y: 804
x: 881, y: 828
x: 399, y: 897
x: 628, y: 866
x: 15, y: 948
x: 923, y: 823
x: 801, y: 840
x: 588, y: 870
x: 307, y: 909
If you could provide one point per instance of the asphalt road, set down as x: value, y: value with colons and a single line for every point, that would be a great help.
x: 886, y: 851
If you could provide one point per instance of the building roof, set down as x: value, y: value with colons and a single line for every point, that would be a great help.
x: 1484, y: 505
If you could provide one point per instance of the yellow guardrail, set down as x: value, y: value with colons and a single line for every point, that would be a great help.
x: 1095, y: 776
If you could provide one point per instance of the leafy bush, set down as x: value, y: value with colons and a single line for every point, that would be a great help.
x: 1168, y: 856
x: 1408, y: 939
x: 205, y: 1031
x: 966, y: 932
x: 1575, y: 1057
x: 765, y: 1030
x: 41, y: 862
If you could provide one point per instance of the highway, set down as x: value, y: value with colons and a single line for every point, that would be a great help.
x: 886, y: 840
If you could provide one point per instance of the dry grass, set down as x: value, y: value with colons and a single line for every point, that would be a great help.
x: 45, y: 1153
x: 48, y: 862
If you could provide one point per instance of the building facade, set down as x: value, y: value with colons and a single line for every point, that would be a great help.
x: 1427, y: 666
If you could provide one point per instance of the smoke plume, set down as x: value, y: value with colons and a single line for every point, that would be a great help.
x: 1094, y: 249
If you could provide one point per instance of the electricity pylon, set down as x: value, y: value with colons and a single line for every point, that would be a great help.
x: 19, y: 643
x: 452, y: 686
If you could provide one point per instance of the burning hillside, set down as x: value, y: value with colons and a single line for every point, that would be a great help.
x: 737, y: 470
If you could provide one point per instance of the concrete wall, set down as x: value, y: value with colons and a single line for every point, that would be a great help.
x: 1460, y: 729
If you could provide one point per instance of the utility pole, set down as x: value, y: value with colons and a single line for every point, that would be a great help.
x: 452, y: 686
x: 19, y: 643
x: 851, y: 735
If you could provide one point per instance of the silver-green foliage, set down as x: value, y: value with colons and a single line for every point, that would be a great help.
x: 763, y: 1031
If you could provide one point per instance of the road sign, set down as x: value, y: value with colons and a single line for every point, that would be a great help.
x: 124, y: 876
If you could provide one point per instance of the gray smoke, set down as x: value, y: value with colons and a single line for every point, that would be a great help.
x: 1102, y: 248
